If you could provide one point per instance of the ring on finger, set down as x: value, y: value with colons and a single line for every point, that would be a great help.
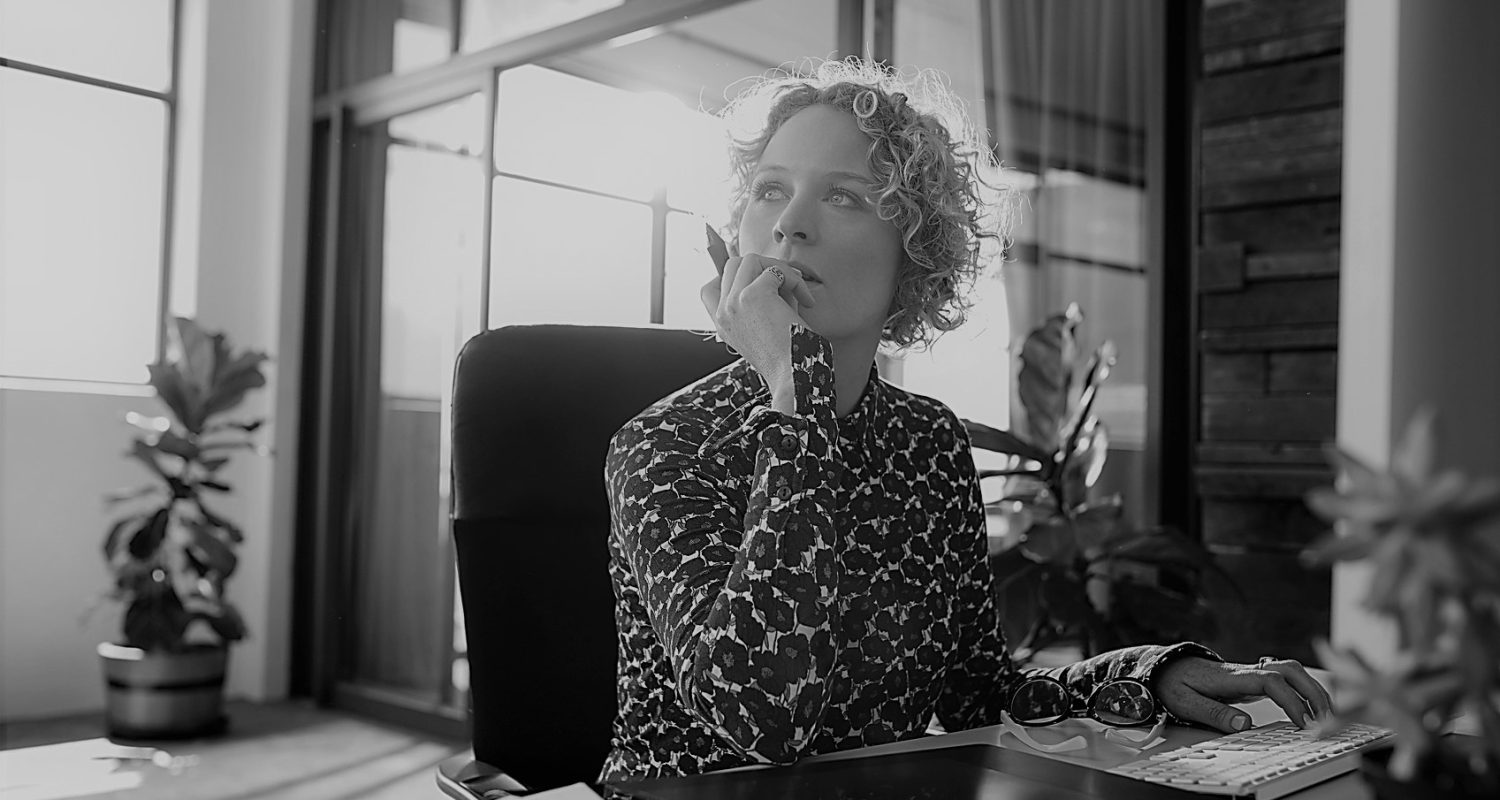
x: 780, y: 276
x: 1265, y: 661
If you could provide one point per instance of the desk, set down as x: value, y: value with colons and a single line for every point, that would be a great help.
x: 1105, y: 755
x: 1101, y: 754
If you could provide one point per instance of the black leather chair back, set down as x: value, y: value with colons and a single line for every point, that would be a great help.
x: 534, y: 408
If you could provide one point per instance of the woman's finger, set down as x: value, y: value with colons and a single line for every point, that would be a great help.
x: 1306, y: 685
x: 1193, y: 706
x: 731, y: 277
x: 1246, y: 681
x: 1293, y: 703
x: 790, y: 286
x: 711, y: 293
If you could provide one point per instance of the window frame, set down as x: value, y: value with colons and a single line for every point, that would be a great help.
x: 170, y: 98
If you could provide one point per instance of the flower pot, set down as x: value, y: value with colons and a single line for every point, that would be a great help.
x: 1438, y: 778
x: 162, y: 695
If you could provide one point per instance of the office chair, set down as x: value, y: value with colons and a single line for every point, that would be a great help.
x: 534, y: 407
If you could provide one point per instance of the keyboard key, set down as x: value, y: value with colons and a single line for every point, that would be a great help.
x: 1263, y: 763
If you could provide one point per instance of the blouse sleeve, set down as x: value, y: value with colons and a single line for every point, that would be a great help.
x: 979, y: 685
x: 740, y: 593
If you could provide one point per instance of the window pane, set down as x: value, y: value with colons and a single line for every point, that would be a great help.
x: 126, y: 42
x: 969, y: 368
x: 81, y: 210
x: 569, y: 130
x: 702, y: 60
x: 567, y: 256
x: 432, y: 212
x: 418, y: 44
x: 688, y: 268
x: 457, y: 126
x: 698, y: 164
x: 489, y: 22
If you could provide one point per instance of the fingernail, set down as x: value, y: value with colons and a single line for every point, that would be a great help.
x: 1307, y: 720
x: 1240, y: 723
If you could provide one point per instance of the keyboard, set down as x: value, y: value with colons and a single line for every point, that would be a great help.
x: 1261, y: 763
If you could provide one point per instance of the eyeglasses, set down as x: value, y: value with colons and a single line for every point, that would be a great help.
x: 1121, y: 703
x: 1118, y: 703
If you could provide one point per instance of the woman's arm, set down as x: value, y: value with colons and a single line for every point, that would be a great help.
x: 740, y: 591
x: 978, y: 687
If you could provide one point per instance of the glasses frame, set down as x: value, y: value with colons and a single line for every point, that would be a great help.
x: 1090, y: 708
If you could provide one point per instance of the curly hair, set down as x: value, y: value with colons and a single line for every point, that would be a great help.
x: 928, y: 165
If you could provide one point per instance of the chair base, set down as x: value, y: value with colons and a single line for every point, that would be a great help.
x: 463, y: 778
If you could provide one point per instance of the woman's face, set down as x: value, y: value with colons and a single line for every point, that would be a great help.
x: 812, y: 204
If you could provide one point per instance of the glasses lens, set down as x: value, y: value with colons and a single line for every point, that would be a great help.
x: 1123, y: 703
x: 1039, y: 702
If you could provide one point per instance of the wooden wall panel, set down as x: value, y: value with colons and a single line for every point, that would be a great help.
x: 1278, y: 228
x: 1266, y: 524
x: 1311, y: 372
x: 1283, y: 605
x: 1270, y: 151
x: 1234, y: 373
x: 1272, y: 303
x: 1295, y: 85
x: 1267, y: 418
x: 1226, y: 25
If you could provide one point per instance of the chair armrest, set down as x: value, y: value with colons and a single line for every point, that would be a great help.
x: 463, y: 778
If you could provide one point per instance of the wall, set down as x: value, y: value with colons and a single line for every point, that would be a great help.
x: 1267, y: 284
x: 246, y: 101
x: 1421, y: 274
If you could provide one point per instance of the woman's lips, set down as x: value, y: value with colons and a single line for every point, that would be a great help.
x: 807, y: 274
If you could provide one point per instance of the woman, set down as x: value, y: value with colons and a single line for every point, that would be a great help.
x: 798, y: 548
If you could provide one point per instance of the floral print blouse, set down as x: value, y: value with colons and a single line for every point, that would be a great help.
x: 788, y: 585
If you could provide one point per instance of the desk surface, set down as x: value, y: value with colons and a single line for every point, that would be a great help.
x: 1102, y: 754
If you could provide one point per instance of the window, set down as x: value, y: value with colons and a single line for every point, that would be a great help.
x: 85, y: 149
x: 592, y: 181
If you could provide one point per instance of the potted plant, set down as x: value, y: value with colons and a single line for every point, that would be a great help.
x: 170, y: 553
x: 1432, y: 540
x: 1088, y: 575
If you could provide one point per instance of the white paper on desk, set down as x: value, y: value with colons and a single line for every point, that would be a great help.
x: 573, y: 791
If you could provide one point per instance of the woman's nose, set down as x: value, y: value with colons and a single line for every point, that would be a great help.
x: 794, y: 222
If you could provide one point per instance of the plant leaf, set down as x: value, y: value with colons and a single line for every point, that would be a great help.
x: 233, y: 530
x: 148, y: 538
x: 1006, y: 473
x: 155, y: 618
x: 995, y: 440
x: 230, y: 387
x: 173, y: 391
x: 112, y: 539
x: 211, y: 551
x: 146, y: 454
x: 227, y: 623
x: 199, y: 358
x: 248, y: 427
x: 124, y: 495
x: 1045, y: 380
x: 1415, y: 454
x: 1095, y: 524
x: 1050, y: 541
x: 171, y: 443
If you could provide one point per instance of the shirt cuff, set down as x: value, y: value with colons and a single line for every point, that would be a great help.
x: 812, y: 381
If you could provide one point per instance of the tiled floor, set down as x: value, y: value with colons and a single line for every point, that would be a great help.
x: 278, y: 750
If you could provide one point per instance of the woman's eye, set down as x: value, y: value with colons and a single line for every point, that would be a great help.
x: 766, y: 191
x: 843, y: 197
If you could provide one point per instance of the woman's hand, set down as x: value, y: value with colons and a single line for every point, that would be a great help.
x: 753, y: 311
x: 1198, y: 690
